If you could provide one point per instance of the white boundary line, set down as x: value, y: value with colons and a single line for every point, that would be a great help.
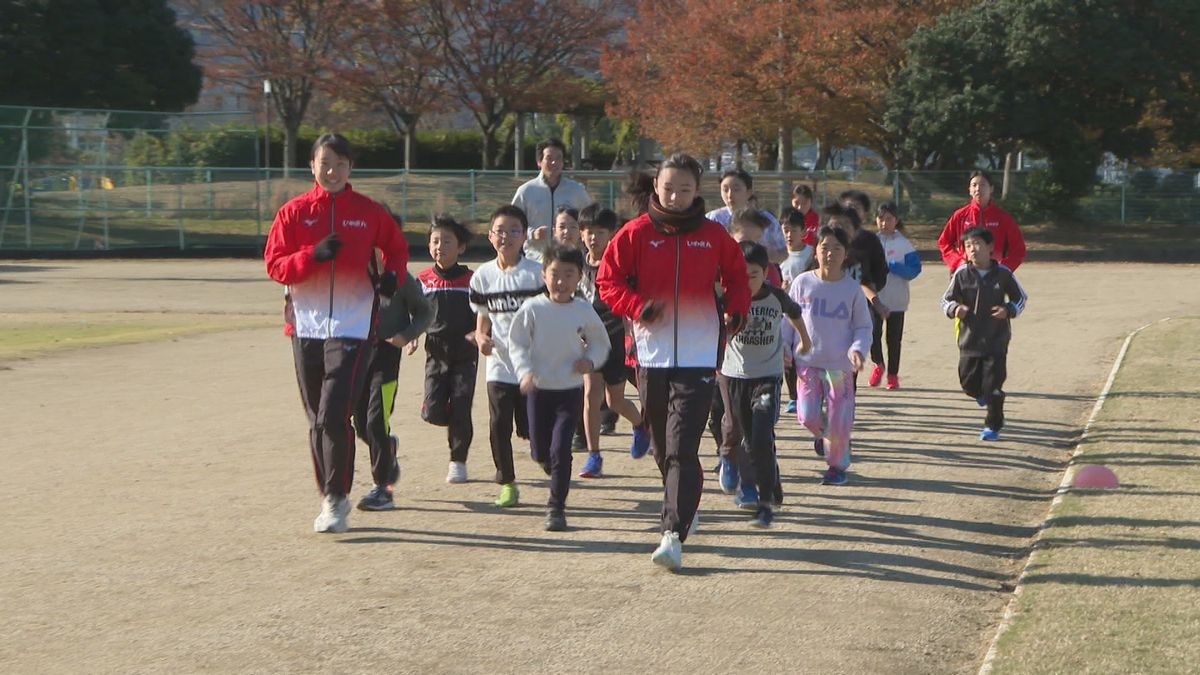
x: 1010, y: 611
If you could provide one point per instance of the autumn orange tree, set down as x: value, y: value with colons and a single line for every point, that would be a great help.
x: 695, y: 73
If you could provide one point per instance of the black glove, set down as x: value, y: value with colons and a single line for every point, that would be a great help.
x: 650, y: 311
x: 387, y: 284
x: 734, y: 323
x: 327, y: 248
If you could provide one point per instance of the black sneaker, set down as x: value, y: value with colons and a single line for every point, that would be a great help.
x: 378, y: 499
x: 819, y: 446
x: 556, y: 521
x: 579, y: 443
x: 763, y: 517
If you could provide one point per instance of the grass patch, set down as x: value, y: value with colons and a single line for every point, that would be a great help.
x: 1115, y: 582
x: 33, y: 334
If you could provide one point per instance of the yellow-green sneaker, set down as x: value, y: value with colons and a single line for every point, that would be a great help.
x: 509, y: 495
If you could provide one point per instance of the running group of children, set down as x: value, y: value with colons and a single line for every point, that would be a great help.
x: 706, y: 313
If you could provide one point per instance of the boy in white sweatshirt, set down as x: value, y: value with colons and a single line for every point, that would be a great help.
x: 555, y: 340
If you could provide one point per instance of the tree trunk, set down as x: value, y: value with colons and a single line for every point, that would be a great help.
x: 785, y: 149
x: 291, y: 131
x: 1008, y: 161
x: 518, y: 142
x: 489, y: 148
x: 410, y: 145
x: 577, y: 153
x: 645, y: 148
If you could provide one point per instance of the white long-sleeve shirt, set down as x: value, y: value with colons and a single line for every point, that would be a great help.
x: 547, y: 338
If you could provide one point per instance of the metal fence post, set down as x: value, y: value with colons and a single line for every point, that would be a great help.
x: 1122, y: 203
x: 404, y: 195
x: 208, y: 180
x: 473, y: 196
x: 149, y: 199
x: 179, y: 209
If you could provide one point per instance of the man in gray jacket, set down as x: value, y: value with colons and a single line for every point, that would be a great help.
x: 542, y: 196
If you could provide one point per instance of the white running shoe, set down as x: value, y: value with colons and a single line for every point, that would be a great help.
x: 332, y: 517
x: 669, y: 553
x: 457, y: 472
x: 695, y: 523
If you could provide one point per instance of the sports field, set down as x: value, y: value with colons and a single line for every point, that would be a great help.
x: 158, y: 501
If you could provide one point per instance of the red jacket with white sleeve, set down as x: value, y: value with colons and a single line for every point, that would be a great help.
x: 679, y: 268
x: 336, y: 298
x: 1009, y: 243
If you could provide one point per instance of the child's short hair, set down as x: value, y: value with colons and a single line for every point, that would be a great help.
x: 540, y: 148
x: 740, y: 174
x: 755, y: 254
x: 335, y: 142
x: 445, y: 223
x: 802, y: 190
x: 751, y: 216
x: 835, y: 232
x: 837, y: 210
x: 791, y: 217
x: 858, y: 196
x: 594, y: 216
x: 568, y: 255
x: 890, y: 207
x: 977, y: 232
x: 512, y: 211
x: 569, y: 210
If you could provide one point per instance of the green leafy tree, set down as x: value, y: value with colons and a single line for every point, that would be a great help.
x: 1067, y: 79
x: 95, y: 54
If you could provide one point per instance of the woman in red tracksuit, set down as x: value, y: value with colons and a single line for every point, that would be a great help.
x: 660, y: 271
x: 981, y: 211
x: 320, y: 245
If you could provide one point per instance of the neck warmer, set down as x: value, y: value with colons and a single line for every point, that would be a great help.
x: 676, y: 222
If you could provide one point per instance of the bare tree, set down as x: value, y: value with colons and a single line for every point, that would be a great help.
x: 392, y: 63
x: 288, y: 42
x: 501, y: 57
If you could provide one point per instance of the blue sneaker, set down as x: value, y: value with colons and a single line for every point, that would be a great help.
x: 989, y: 434
x: 834, y: 477
x: 791, y: 408
x: 981, y: 401
x: 593, y: 467
x: 641, y: 442
x: 747, y: 497
x: 763, y: 517
x: 728, y: 475
x: 819, y: 446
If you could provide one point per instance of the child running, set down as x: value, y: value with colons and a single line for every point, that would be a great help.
x: 451, y: 357
x: 749, y: 381
x: 985, y: 297
x: 800, y: 252
x: 839, y: 324
x: 404, y: 314
x: 598, y: 225
x: 555, y: 340
x: 904, y: 264
x: 498, y: 289
x: 660, y: 271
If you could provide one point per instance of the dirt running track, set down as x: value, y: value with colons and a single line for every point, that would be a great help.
x: 158, y: 502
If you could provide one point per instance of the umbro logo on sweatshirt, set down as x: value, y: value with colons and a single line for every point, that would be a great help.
x: 657, y: 242
x: 702, y: 243
x: 310, y: 221
x: 354, y: 223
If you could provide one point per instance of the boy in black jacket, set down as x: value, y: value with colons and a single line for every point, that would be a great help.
x: 985, y: 296
x: 452, y: 359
